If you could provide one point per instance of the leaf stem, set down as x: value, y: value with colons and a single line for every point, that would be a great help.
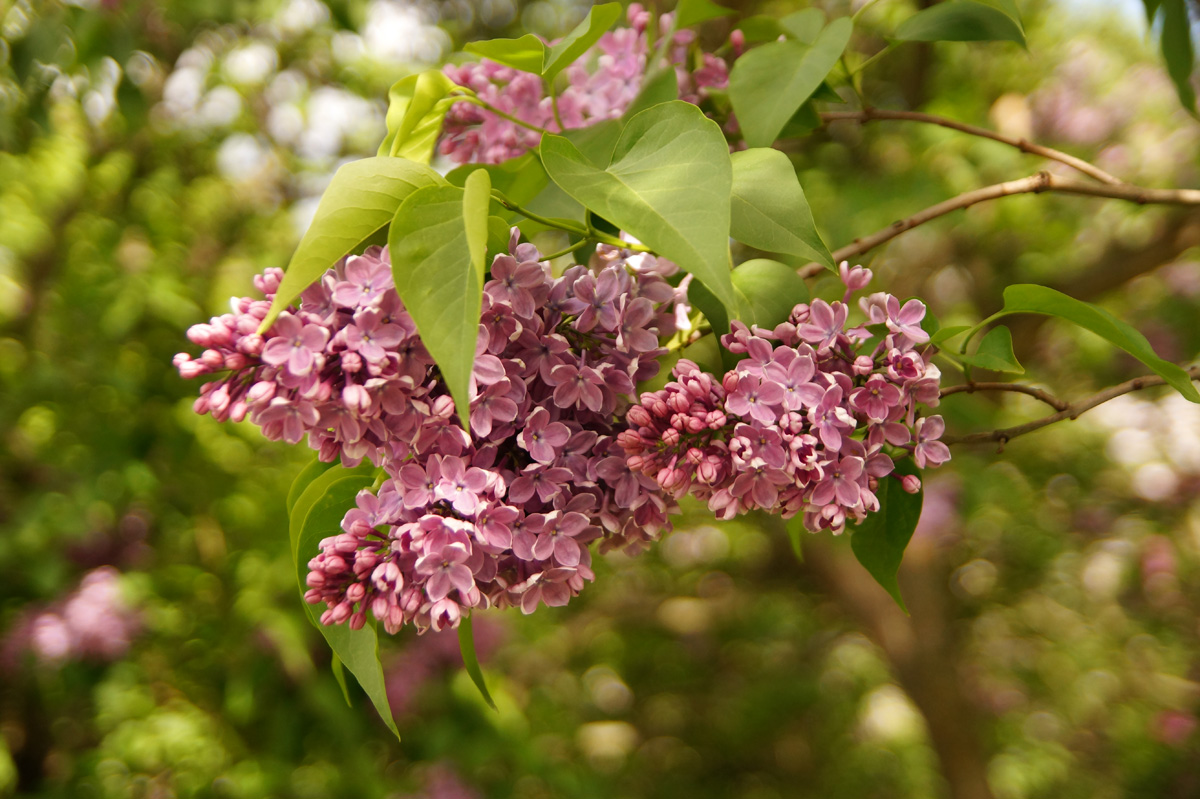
x: 1017, y: 388
x: 559, y: 224
x: 576, y: 246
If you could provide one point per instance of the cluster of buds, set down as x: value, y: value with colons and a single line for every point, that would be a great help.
x: 497, y: 516
x: 602, y: 84
x: 808, y: 422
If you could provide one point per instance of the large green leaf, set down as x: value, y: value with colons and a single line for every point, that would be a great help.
x: 1177, y: 50
x: 318, y: 514
x: 768, y: 207
x: 438, y: 242
x: 668, y: 185
x: 769, y: 84
x: 693, y: 12
x: 360, y: 201
x: 1029, y: 298
x: 417, y: 105
x: 995, y: 353
x: 661, y: 86
x: 584, y: 35
x: 961, y: 21
x: 879, y: 542
x: 311, y: 472
x: 528, y: 53
x: 466, y: 645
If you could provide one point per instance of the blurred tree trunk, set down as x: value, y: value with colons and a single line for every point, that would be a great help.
x: 921, y: 648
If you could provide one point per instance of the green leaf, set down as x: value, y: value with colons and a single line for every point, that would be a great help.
x: 1029, y: 298
x: 1008, y: 8
x: 584, y: 35
x: 768, y: 208
x: 769, y: 84
x: 499, y: 232
x: 339, y: 675
x: 438, y: 243
x: 880, y: 540
x: 1177, y: 50
x: 767, y: 291
x: 519, y: 179
x: 527, y: 54
x: 760, y: 28
x: 946, y: 333
x: 804, y: 26
x: 795, y: 531
x: 318, y: 514
x: 693, y: 12
x: 361, y: 200
x: 961, y: 21
x: 668, y: 185
x: 995, y: 353
x: 597, y: 142
x: 311, y: 472
x: 466, y: 643
x: 417, y: 105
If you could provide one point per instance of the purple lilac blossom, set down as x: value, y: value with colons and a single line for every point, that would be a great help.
x: 500, y: 516
x: 808, y: 423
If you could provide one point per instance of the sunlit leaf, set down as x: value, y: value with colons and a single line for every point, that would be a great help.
x: 360, y: 201
x: 584, y: 35
x: 768, y: 207
x: 438, y: 243
x: 527, y: 54
x: 769, y: 84
x: 417, y: 105
x: 668, y: 185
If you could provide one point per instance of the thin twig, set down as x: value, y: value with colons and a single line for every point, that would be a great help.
x: 1024, y: 145
x: 1018, y: 388
x: 1072, y: 411
x: 1034, y: 184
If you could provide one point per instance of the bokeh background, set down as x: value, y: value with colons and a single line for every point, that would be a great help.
x: 155, y: 154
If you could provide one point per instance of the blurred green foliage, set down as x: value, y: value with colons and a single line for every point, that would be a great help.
x: 154, y: 156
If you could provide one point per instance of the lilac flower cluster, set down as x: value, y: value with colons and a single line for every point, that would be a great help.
x: 497, y: 516
x: 805, y: 421
x: 602, y: 84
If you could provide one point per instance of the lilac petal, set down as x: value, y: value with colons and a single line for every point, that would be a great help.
x: 566, y: 551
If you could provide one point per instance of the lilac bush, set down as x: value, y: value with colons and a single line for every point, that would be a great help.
x: 500, y: 515
x: 805, y: 422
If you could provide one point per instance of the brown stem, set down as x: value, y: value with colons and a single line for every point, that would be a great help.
x: 1019, y: 388
x: 1034, y: 184
x: 1024, y: 145
x: 1072, y: 411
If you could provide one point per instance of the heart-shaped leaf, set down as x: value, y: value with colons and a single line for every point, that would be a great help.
x: 880, y: 540
x: 360, y: 201
x: 668, y: 185
x: 995, y: 353
x: 960, y: 21
x: 768, y: 207
x: 570, y: 47
x: 769, y: 84
x: 438, y: 242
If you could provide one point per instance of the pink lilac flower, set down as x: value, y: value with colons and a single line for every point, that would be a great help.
x: 500, y: 516
x: 793, y: 429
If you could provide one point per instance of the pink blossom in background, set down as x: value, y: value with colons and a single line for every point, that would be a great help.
x: 601, y: 85
x: 93, y: 622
